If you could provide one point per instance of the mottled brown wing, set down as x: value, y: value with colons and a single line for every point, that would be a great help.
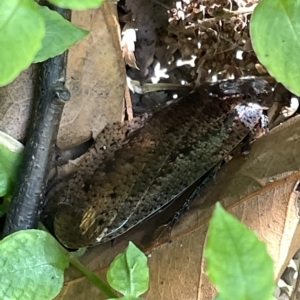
x: 176, y: 146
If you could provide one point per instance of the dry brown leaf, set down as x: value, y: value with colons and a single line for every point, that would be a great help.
x: 96, y: 77
x: 180, y: 259
x: 258, y: 190
x: 271, y: 214
x: 16, y: 104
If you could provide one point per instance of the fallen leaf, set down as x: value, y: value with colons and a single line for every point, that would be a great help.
x: 95, y: 76
x: 16, y: 104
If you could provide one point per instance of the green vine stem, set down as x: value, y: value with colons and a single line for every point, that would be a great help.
x: 92, y: 277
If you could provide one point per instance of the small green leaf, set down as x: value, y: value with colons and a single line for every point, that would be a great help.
x: 275, y: 36
x: 21, y: 32
x: 32, y: 266
x: 10, y: 159
x: 237, y: 261
x: 77, y: 4
x: 129, y: 273
x: 60, y: 34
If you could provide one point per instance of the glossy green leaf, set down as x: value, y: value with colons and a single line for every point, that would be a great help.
x: 237, y: 261
x: 129, y: 272
x: 275, y: 36
x: 21, y: 32
x: 60, y: 34
x: 77, y: 4
x: 10, y: 159
x: 32, y: 266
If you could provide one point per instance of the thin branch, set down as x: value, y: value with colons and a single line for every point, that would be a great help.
x: 27, y: 200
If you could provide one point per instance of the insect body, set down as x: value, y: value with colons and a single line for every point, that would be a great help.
x: 174, y: 148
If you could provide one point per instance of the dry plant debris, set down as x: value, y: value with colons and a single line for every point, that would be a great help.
x: 205, y: 40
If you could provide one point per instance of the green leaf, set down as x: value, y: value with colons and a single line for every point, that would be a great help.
x: 129, y: 273
x: 237, y: 261
x: 21, y: 32
x: 60, y: 34
x: 275, y: 36
x: 10, y: 159
x: 77, y: 4
x: 32, y: 266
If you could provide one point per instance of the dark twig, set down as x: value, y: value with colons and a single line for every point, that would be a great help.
x: 28, y: 197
